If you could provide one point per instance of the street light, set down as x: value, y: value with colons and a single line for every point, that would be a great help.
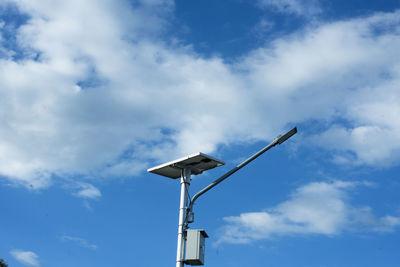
x: 195, y: 164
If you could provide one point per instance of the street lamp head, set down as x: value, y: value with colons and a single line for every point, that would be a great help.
x: 287, y: 135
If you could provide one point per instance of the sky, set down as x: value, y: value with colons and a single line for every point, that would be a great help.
x: 93, y: 93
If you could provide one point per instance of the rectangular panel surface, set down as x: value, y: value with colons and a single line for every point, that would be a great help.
x: 198, y: 163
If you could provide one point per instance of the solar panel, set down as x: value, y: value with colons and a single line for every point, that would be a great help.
x: 197, y: 163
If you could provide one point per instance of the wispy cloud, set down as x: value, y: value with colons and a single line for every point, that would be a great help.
x: 87, y: 191
x: 25, y: 257
x: 297, y: 7
x: 316, y: 208
x: 79, y: 241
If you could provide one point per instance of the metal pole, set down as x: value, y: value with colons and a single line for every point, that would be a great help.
x: 185, y: 182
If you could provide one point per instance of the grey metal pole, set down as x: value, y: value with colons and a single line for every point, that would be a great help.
x: 185, y: 182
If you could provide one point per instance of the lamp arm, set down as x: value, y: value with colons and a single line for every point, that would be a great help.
x: 278, y: 140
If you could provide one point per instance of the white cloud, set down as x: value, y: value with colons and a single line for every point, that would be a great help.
x: 345, y: 73
x: 97, y: 96
x: 297, y: 7
x: 88, y: 191
x: 317, y: 208
x: 372, y: 144
x: 79, y: 241
x: 25, y: 257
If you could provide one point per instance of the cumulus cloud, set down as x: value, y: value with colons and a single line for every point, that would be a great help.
x: 92, y: 95
x: 25, y: 257
x: 316, y: 208
x: 340, y: 74
x: 368, y: 144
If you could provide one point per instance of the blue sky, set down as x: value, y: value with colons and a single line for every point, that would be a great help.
x: 92, y: 93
